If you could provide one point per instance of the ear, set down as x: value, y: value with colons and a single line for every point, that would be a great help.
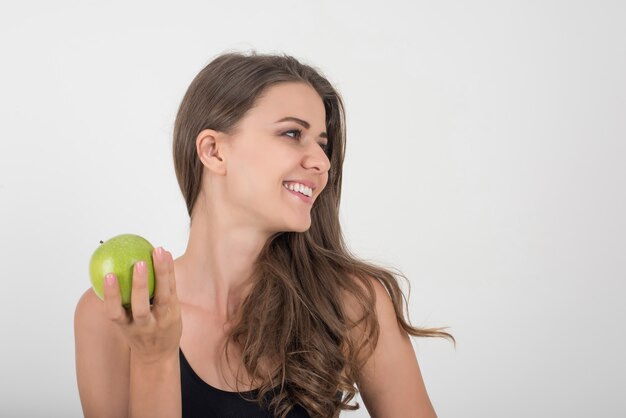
x: 210, y: 149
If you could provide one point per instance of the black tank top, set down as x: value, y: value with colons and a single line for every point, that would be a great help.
x: 201, y: 400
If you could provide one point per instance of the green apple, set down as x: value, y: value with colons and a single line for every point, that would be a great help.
x: 118, y: 255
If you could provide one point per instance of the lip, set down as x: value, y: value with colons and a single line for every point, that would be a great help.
x: 302, y: 197
x: 307, y: 183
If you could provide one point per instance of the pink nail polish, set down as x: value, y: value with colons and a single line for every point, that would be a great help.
x: 109, y: 279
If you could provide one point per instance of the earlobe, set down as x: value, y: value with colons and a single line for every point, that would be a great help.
x: 210, y: 151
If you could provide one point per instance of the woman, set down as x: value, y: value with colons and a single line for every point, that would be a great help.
x: 266, y: 313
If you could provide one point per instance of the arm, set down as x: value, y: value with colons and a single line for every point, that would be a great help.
x: 391, y: 383
x: 127, y: 362
x: 155, y: 388
x: 112, y: 382
x: 102, y: 361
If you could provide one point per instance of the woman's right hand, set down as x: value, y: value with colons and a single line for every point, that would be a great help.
x: 152, y: 332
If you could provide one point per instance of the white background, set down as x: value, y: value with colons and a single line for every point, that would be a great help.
x: 485, y: 160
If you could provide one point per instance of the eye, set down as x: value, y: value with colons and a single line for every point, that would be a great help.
x: 298, y: 133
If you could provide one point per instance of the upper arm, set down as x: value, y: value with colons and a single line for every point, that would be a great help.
x: 102, y: 360
x: 390, y: 382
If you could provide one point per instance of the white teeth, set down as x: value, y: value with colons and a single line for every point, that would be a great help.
x: 300, y: 188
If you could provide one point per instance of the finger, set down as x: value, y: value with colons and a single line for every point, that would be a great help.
x: 172, y: 278
x: 113, y: 300
x: 139, y: 297
x: 162, y: 269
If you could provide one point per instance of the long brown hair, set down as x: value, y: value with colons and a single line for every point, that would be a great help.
x: 295, y: 313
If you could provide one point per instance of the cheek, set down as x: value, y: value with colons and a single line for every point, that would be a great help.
x: 256, y: 178
x: 264, y: 166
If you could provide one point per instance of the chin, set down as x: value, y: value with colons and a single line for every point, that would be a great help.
x: 303, y: 227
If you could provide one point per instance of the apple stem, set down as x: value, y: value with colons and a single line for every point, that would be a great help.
x: 101, y: 242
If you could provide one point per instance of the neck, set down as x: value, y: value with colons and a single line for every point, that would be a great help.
x: 214, y: 273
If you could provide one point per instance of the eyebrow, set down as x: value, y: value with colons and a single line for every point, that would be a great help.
x: 301, y: 122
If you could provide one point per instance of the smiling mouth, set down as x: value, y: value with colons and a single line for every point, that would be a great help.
x: 301, y: 196
x: 299, y: 189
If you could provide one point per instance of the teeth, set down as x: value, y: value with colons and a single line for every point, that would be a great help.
x: 300, y: 188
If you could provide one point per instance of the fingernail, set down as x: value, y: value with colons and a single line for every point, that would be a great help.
x: 158, y: 253
x: 141, y: 266
x: 109, y: 279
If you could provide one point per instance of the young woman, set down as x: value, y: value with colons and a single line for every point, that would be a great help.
x: 267, y: 313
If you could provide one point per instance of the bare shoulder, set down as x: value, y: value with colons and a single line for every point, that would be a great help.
x: 102, y: 359
x: 89, y: 312
x: 355, y: 311
x: 90, y: 317
x: 87, y: 302
x: 353, y: 308
x: 390, y: 381
x: 91, y: 324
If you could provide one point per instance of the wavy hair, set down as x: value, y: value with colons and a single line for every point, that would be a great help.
x: 299, y: 278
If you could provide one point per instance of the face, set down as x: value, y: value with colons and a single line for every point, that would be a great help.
x: 282, y: 139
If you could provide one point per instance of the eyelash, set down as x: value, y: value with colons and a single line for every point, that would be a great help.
x: 299, y: 132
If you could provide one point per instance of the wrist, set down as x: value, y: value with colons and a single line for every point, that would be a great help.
x: 154, y: 360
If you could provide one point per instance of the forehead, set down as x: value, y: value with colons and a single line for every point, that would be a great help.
x: 289, y: 99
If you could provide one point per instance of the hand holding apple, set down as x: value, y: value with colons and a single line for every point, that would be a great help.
x: 118, y: 256
x: 152, y: 332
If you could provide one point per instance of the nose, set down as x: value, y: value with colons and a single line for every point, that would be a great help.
x: 316, y: 158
